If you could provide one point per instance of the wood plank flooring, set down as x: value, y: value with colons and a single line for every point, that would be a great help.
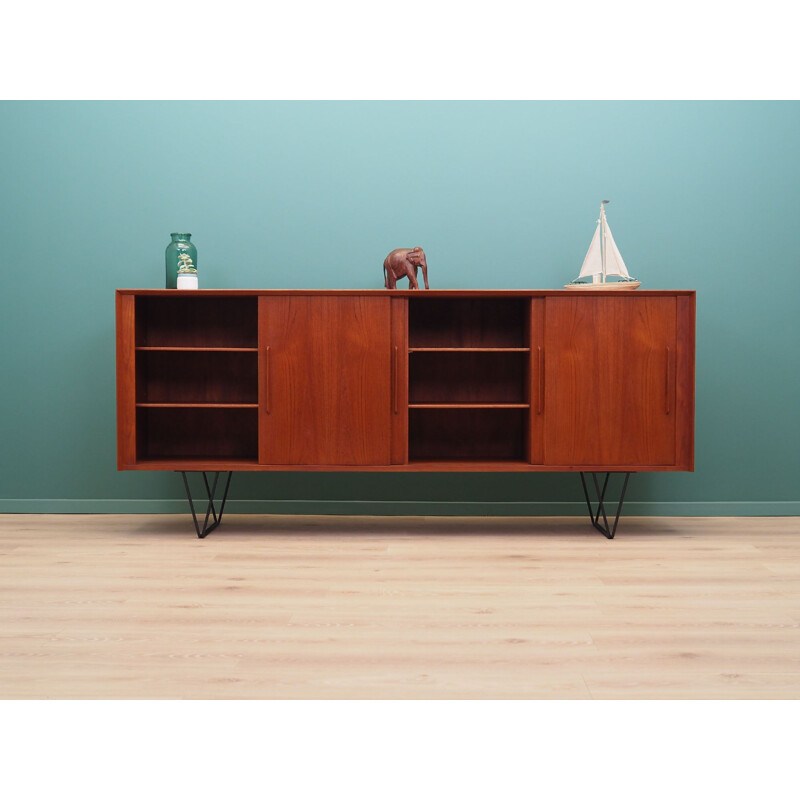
x: 135, y: 606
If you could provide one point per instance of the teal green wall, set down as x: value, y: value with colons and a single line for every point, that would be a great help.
x: 705, y: 196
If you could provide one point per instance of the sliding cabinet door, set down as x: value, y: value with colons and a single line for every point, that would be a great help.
x: 325, y: 380
x: 609, y: 393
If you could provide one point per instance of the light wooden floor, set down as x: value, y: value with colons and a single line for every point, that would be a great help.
x: 107, y: 606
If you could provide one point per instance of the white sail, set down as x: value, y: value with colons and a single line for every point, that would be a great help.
x: 614, y: 263
x: 593, y: 263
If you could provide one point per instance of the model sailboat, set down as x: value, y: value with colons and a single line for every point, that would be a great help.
x: 603, y: 260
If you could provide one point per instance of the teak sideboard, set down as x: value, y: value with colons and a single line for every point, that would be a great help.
x: 486, y: 381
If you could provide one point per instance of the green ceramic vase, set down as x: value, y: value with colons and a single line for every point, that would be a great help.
x: 179, y: 246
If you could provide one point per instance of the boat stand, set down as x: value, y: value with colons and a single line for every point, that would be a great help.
x: 211, y: 511
x: 601, y: 509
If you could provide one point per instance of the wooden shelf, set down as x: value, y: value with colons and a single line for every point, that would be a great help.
x: 199, y: 349
x: 469, y: 350
x: 468, y: 405
x: 466, y: 431
x: 197, y: 405
x: 196, y: 432
x: 468, y: 378
x: 485, y: 323
x: 190, y: 463
x: 471, y: 464
x: 181, y: 321
x: 467, y: 392
x: 194, y: 377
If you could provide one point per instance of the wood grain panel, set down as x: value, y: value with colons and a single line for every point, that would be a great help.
x: 399, y: 376
x: 444, y: 464
x: 684, y: 402
x: 609, y: 380
x: 536, y: 381
x: 431, y: 294
x: 350, y: 409
x: 326, y: 380
x: 126, y: 381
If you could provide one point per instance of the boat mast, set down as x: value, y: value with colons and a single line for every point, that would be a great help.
x: 603, y: 239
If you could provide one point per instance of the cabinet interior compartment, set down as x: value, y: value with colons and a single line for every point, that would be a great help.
x: 197, y: 433
x: 164, y: 376
x: 467, y: 377
x: 179, y: 321
x: 468, y: 322
x: 466, y: 434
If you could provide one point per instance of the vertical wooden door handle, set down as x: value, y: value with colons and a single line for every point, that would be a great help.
x: 395, y: 381
x: 668, y: 383
x: 267, y: 382
x: 540, y: 399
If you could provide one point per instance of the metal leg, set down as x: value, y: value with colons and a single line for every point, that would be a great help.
x: 210, y: 509
x: 601, y: 509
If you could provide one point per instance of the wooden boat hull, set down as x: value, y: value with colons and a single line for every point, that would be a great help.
x: 605, y: 287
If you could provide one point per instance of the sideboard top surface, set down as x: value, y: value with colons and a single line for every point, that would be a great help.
x: 417, y: 293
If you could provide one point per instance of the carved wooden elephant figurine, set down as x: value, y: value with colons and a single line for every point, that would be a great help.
x: 403, y: 263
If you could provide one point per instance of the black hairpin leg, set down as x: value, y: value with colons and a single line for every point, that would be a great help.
x: 210, y: 509
x: 601, y: 509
